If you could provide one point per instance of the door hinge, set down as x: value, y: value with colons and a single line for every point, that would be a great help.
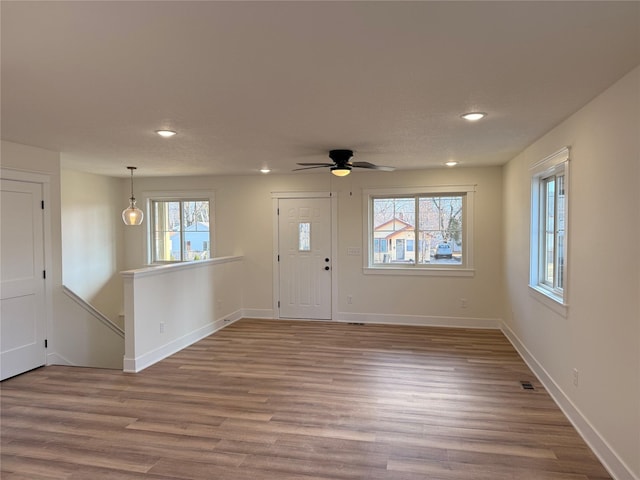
x: 278, y: 257
x: 278, y: 303
x: 46, y: 343
x: 44, y: 274
x: 278, y: 211
x: 42, y: 204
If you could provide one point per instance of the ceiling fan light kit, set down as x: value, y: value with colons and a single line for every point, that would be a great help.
x: 341, y: 171
x: 342, y: 164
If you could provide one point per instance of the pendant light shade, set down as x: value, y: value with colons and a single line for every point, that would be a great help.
x: 132, y: 215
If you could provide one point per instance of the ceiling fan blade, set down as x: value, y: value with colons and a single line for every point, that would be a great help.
x: 371, y: 166
x: 315, y: 164
x: 309, y: 168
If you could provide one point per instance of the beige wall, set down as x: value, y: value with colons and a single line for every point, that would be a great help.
x: 244, y: 226
x: 92, y: 243
x: 601, y: 334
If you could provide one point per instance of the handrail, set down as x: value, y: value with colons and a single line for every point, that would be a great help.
x: 92, y: 310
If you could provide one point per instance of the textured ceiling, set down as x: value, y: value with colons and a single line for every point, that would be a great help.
x: 253, y: 84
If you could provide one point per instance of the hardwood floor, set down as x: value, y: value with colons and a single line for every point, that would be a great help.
x: 297, y: 401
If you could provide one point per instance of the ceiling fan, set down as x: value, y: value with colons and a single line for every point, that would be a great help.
x: 342, y: 164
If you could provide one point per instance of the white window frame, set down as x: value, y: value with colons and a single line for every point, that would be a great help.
x: 466, y: 269
x: 178, y: 196
x: 552, y: 165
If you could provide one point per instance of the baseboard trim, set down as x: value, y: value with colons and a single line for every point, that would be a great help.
x: 419, y: 320
x: 139, y: 363
x: 600, y: 447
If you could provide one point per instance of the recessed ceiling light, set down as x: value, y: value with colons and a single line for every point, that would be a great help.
x: 451, y: 163
x: 474, y: 116
x: 166, y: 133
x: 265, y: 170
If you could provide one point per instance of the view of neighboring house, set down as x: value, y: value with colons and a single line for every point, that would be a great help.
x: 395, y: 242
x: 196, y: 242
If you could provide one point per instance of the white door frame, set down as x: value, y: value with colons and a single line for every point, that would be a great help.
x: 45, y: 181
x: 275, y: 197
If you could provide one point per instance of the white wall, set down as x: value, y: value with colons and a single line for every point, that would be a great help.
x: 168, y: 308
x: 92, y: 240
x: 601, y: 334
x: 243, y: 226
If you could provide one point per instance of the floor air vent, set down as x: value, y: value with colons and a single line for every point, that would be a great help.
x: 355, y: 323
x: 527, y: 386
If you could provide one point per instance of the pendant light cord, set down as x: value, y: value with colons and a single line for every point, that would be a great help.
x: 132, y: 198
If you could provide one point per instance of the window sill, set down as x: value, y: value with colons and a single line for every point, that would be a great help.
x: 433, y: 272
x: 550, y: 300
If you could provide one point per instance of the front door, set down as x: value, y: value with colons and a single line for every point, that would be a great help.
x: 304, y: 246
x: 400, y: 249
x: 22, y: 303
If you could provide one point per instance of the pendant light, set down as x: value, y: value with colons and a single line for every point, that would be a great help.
x: 132, y: 215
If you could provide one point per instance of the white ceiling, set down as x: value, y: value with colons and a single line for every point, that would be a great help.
x: 252, y: 84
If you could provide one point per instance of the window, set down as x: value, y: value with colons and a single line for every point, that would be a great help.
x: 549, y: 188
x: 423, y: 231
x: 180, y: 230
x: 304, y: 236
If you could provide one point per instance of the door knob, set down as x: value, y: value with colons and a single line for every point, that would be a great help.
x: 326, y: 268
x: 326, y: 259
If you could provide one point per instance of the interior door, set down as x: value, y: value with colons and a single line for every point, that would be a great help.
x: 22, y: 299
x: 304, y: 237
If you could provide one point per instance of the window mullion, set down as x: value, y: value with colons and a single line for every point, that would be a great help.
x: 559, y: 232
x: 552, y: 230
x: 182, y: 243
x: 542, y: 238
x: 416, y: 226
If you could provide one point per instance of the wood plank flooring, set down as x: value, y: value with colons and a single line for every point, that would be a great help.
x: 297, y: 401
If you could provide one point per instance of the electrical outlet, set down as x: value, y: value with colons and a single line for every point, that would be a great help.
x: 349, y: 299
x: 464, y: 303
x: 161, y: 327
x: 575, y: 377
